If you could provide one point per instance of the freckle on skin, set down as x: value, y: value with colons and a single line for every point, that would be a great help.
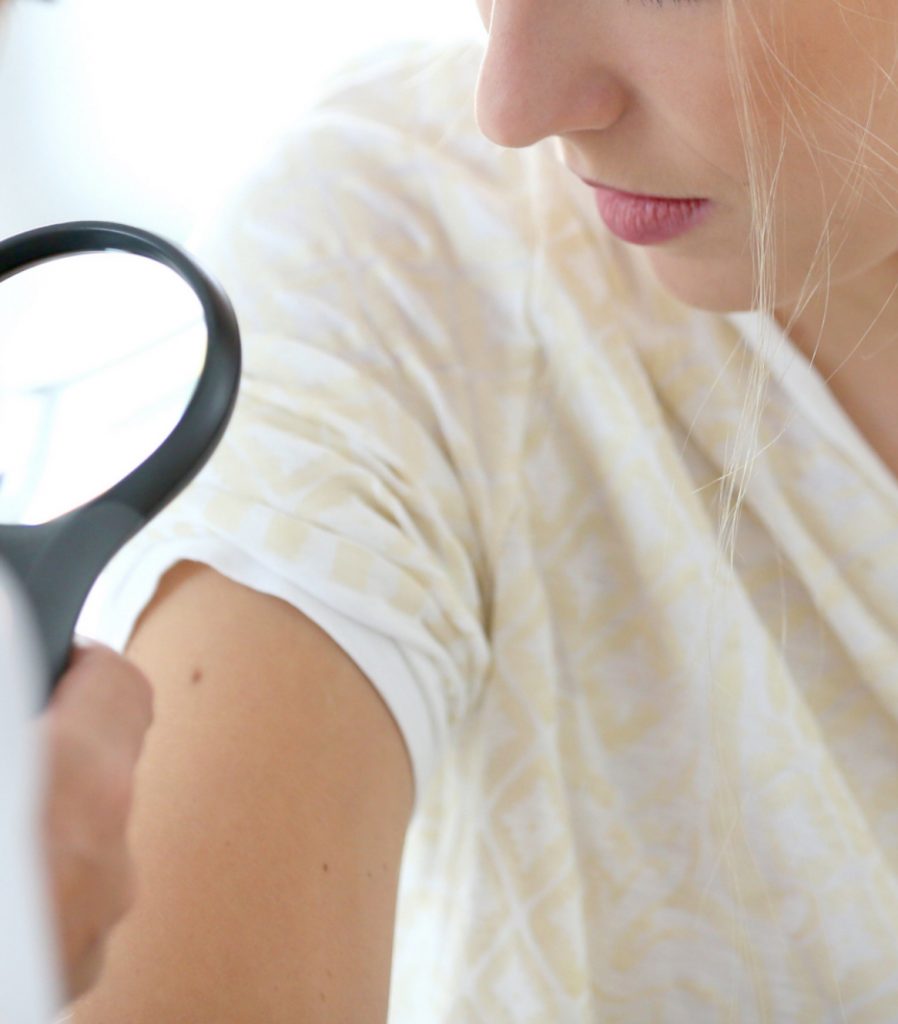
x: 324, y: 867
x: 197, y: 675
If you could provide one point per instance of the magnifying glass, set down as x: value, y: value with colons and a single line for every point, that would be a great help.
x: 119, y: 369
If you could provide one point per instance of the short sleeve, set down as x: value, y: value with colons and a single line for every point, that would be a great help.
x: 340, y: 484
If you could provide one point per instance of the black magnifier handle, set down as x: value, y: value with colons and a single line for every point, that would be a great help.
x: 58, y: 562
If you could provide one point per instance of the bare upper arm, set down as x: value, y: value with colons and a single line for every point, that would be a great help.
x: 270, y: 811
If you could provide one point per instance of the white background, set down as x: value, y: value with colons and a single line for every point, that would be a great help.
x: 145, y: 110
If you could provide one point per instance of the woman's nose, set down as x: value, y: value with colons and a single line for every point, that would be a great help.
x: 544, y: 73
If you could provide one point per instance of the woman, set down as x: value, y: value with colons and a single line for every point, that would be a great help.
x: 543, y: 562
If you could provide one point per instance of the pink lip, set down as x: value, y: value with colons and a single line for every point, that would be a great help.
x: 647, y: 220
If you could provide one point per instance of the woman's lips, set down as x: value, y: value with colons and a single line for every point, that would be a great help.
x: 648, y: 220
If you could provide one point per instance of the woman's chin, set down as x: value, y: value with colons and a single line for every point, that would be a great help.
x: 702, y: 283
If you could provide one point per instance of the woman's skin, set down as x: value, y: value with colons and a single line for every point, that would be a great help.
x: 638, y: 96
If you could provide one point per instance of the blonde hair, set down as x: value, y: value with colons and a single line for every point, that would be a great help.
x: 764, y: 164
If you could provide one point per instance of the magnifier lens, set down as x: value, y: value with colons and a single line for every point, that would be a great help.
x: 99, y: 356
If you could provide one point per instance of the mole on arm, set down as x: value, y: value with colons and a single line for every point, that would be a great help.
x: 197, y: 675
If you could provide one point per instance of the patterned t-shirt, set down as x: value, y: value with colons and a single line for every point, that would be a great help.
x: 480, y: 445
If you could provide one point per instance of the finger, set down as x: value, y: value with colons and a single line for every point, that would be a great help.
x: 104, y: 697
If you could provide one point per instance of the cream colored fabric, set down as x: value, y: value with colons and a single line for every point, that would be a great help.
x: 472, y: 424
